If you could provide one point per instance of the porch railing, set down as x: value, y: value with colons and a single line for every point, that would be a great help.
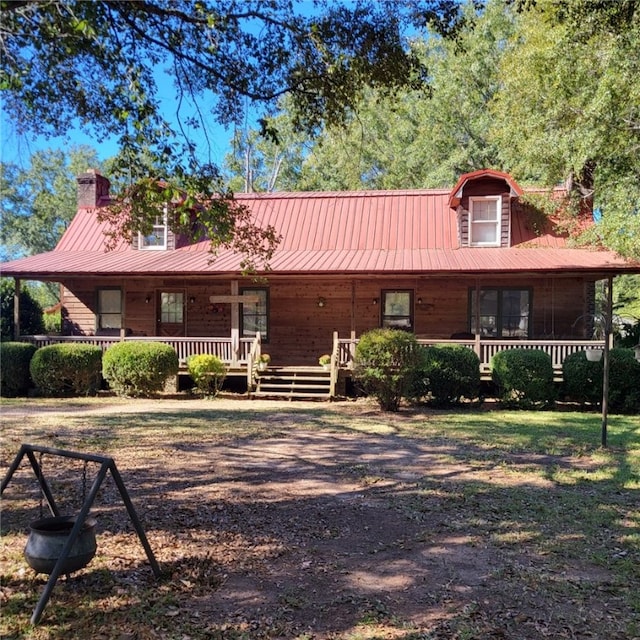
x: 247, y: 352
x: 221, y: 347
x: 558, y: 350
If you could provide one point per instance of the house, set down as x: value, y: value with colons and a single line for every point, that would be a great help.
x: 471, y: 263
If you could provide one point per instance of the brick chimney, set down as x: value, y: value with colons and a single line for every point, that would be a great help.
x: 93, y: 189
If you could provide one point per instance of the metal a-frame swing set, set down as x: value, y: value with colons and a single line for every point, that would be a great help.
x: 107, y: 465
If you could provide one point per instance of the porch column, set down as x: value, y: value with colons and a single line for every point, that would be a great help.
x: 123, y: 311
x: 235, y: 324
x: 16, y: 308
x: 478, y: 346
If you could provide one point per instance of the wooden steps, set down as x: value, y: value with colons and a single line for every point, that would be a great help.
x: 293, y: 383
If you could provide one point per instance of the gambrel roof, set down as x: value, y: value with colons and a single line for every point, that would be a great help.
x: 362, y: 232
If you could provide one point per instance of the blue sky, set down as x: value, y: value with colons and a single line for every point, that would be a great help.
x: 18, y: 148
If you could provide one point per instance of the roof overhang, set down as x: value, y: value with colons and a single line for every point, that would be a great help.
x: 62, y: 266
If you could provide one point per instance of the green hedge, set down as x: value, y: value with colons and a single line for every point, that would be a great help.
x: 207, y: 372
x: 139, y: 368
x: 583, y: 380
x: 385, y: 365
x: 67, y: 368
x: 15, y: 357
x: 449, y: 373
x: 524, y: 377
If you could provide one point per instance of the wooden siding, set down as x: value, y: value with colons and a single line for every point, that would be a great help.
x: 300, y: 330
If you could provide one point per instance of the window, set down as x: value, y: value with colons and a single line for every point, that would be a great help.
x: 171, y: 307
x: 504, y: 313
x: 109, y: 309
x: 484, y: 221
x: 397, y: 308
x: 157, y: 239
x: 255, y: 315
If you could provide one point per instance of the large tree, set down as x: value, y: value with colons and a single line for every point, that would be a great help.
x: 419, y: 137
x: 569, y: 109
x: 95, y: 64
x: 37, y: 203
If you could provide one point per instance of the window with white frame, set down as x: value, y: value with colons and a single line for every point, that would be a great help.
x: 157, y: 239
x: 484, y: 221
x: 109, y: 314
x: 502, y: 312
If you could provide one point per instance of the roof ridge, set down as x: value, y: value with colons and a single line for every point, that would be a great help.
x: 363, y: 193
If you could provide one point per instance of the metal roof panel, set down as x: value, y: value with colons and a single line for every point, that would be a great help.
x: 352, y: 232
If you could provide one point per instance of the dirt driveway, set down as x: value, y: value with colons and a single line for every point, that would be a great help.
x: 322, y: 533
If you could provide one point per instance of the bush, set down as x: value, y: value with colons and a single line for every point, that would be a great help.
x: 385, y: 365
x: 583, y: 380
x: 30, y: 311
x: 207, y: 372
x: 15, y: 357
x: 524, y: 377
x: 67, y: 368
x: 139, y: 368
x: 448, y: 374
x: 624, y: 381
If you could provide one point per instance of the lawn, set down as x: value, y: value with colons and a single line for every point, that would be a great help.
x: 332, y: 521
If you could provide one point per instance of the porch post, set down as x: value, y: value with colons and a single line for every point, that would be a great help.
x: 235, y: 325
x: 478, y: 347
x: 123, y: 309
x: 16, y: 308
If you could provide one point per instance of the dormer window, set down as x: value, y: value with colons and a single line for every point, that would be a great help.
x: 484, y: 219
x: 157, y: 239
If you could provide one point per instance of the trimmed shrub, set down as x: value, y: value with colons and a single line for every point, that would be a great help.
x: 448, y: 374
x: 15, y: 357
x: 624, y: 381
x: 385, y: 365
x: 67, y: 368
x: 524, y: 377
x: 139, y: 368
x: 583, y: 380
x: 207, y: 372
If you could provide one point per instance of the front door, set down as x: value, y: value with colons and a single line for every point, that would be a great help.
x: 170, y: 310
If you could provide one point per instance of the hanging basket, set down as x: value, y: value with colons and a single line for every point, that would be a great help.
x: 48, y: 537
x: 594, y: 355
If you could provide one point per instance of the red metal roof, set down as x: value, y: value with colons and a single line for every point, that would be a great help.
x: 367, y: 232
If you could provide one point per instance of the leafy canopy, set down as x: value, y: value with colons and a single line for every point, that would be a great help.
x: 103, y: 65
x: 37, y: 203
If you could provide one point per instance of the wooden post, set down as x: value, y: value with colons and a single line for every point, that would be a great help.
x: 235, y: 326
x: 608, y: 318
x: 16, y: 309
x: 123, y: 311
